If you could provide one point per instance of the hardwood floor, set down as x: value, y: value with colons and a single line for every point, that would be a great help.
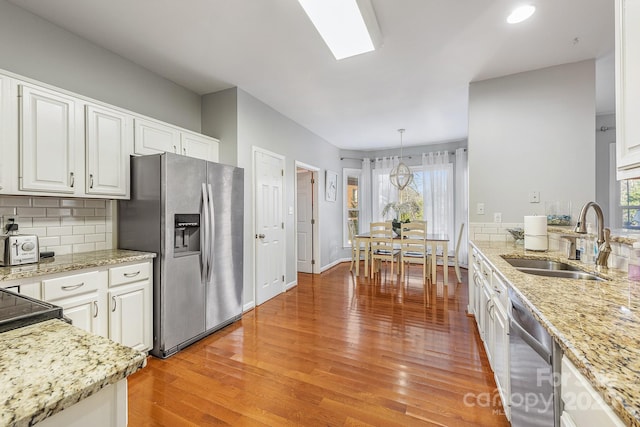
x: 334, y: 351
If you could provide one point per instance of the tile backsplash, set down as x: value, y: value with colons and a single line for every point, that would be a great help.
x: 63, y: 225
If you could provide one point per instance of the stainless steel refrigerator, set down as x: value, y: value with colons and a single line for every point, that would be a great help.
x: 190, y: 212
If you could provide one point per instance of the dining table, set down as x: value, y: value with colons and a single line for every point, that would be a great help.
x: 433, y: 240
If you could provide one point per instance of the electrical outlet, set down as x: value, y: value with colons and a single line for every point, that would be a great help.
x: 497, y: 217
x: 480, y: 209
x: 534, y: 197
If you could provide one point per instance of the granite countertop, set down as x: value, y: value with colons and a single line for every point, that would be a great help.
x: 62, y: 263
x: 597, y: 324
x: 49, y: 366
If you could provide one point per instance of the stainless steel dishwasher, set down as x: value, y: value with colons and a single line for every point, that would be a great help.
x: 535, y: 369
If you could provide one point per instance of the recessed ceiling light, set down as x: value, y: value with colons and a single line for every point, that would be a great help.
x: 344, y: 27
x: 521, y: 13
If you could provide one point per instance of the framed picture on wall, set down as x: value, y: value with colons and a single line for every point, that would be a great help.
x: 331, y: 186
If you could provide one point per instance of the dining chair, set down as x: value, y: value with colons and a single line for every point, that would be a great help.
x: 456, y: 264
x: 381, y: 243
x: 413, y: 247
x: 351, y: 227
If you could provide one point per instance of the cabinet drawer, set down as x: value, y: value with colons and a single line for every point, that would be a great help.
x: 67, y: 286
x: 128, y: 274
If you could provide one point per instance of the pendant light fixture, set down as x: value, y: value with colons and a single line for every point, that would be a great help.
x: 401, y: 175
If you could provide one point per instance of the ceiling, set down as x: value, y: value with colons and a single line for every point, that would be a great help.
x: 418, y: 79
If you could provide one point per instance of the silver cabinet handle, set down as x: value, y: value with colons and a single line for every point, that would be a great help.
x: 115, y: 303
x: 175, y: 149
x: 73, y: 179
x: 72, y: 287
x: 260, y: 236
x: 131, y: 274
x: 90, y: 180
x: 95, y: 306
x: 184, y: 151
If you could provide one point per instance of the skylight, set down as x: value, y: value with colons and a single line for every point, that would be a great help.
x: 521, y: 13
x: 341, y: 23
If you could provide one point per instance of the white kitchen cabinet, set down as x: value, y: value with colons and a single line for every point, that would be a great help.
x: 500, y: 359
x: 27, y: 289
x: 627, y: 36
x: 582, y: 405
x: 109, y: 142
x: 487, y: 320
x: 155, y: 137
x: 48, y: 141
x: 82, y: 298
x: 4, y: 133
x: 130, y: 297
x: 199, y: 146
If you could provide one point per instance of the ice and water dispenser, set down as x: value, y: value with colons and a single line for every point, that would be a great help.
x: 187, y: 234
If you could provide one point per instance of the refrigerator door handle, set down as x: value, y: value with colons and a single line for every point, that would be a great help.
x: 212, y: 232
x: 204, y: 235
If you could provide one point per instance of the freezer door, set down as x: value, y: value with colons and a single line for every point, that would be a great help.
x: 224, y: 290
x: 183, y: 289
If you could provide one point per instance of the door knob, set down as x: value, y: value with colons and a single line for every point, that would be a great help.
x: 260, y: 236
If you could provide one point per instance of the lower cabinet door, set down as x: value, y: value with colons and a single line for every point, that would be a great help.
x: 84, y: 312
x: 130, y: 316
x: 501, y: 355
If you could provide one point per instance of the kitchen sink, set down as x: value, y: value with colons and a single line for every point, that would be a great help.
x: 544, y: 264
x: 563, y: 274
x: 550, y: 268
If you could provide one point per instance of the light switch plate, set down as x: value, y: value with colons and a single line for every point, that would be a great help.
x: 480, y: 209
x: 497, y: 217
x: 534, y: 197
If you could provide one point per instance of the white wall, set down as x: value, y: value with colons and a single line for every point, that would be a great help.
x: 220, y: 120
x: 603, y: 139
x: 35, y: 48
x: 261, y: 126
x: 532, y: 131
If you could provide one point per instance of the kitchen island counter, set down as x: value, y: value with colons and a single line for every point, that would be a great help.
x: 596, y: 323
x: 50, y: 366
x: 78, y: 261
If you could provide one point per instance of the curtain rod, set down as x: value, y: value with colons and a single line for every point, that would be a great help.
x: 404, y: 157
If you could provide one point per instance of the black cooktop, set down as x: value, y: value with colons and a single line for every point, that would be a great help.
x: 18, y: 310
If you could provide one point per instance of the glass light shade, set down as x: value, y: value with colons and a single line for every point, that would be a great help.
x: 401, y: 176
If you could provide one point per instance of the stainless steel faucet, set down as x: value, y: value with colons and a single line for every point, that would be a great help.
x: 604, y: 234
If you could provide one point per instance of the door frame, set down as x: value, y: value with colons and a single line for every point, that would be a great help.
x: 315, y: 248
x: 254, y: 150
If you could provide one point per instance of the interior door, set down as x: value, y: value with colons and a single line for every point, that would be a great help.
x: 269, y: 225
x: 304, y: 220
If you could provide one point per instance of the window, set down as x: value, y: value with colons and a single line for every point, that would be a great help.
x: 630, y: 203
x: 351, y: 184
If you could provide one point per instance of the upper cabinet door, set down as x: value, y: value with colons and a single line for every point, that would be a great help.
x: 153, y: 138
x: 628, y: 88
x: 108, y: 143
x: 47, y: 141
x: 199, y: 146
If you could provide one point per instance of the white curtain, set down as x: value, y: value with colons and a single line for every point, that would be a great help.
x: 383, y: 191
x: 437, y: 174
x: 462, y: 203
x: 365, y: 196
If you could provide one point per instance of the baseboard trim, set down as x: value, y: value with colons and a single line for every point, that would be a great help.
x: 334, y: 263
x: 291, y: 285
x: 249, y: 306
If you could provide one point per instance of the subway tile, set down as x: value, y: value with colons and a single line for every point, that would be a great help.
x: 101, y: 246
x: 45, y: 202
x: 100, y: 212
x: 95, y: 220
x: 38, y: 231
x: 71, y: 203
x: 94, y: 203
x: 59, y: 231
x: 49, y: 241
x: 60, y: 250
x: 109, y: 239
x: 33, y: 212
x: 84, y: 212
x: 46, y: 222
x: 109, y: 227
x: 84, y: 247
x: 98, y: 237
x: 497, y: 238
x: 24, y: 221
x: 84, y: 229
x: 7, y: 211
x: 20, y: 201
x: 72, y: 220
x: 72, y: 240
x: 101, y: 228
x: 58, y: 212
